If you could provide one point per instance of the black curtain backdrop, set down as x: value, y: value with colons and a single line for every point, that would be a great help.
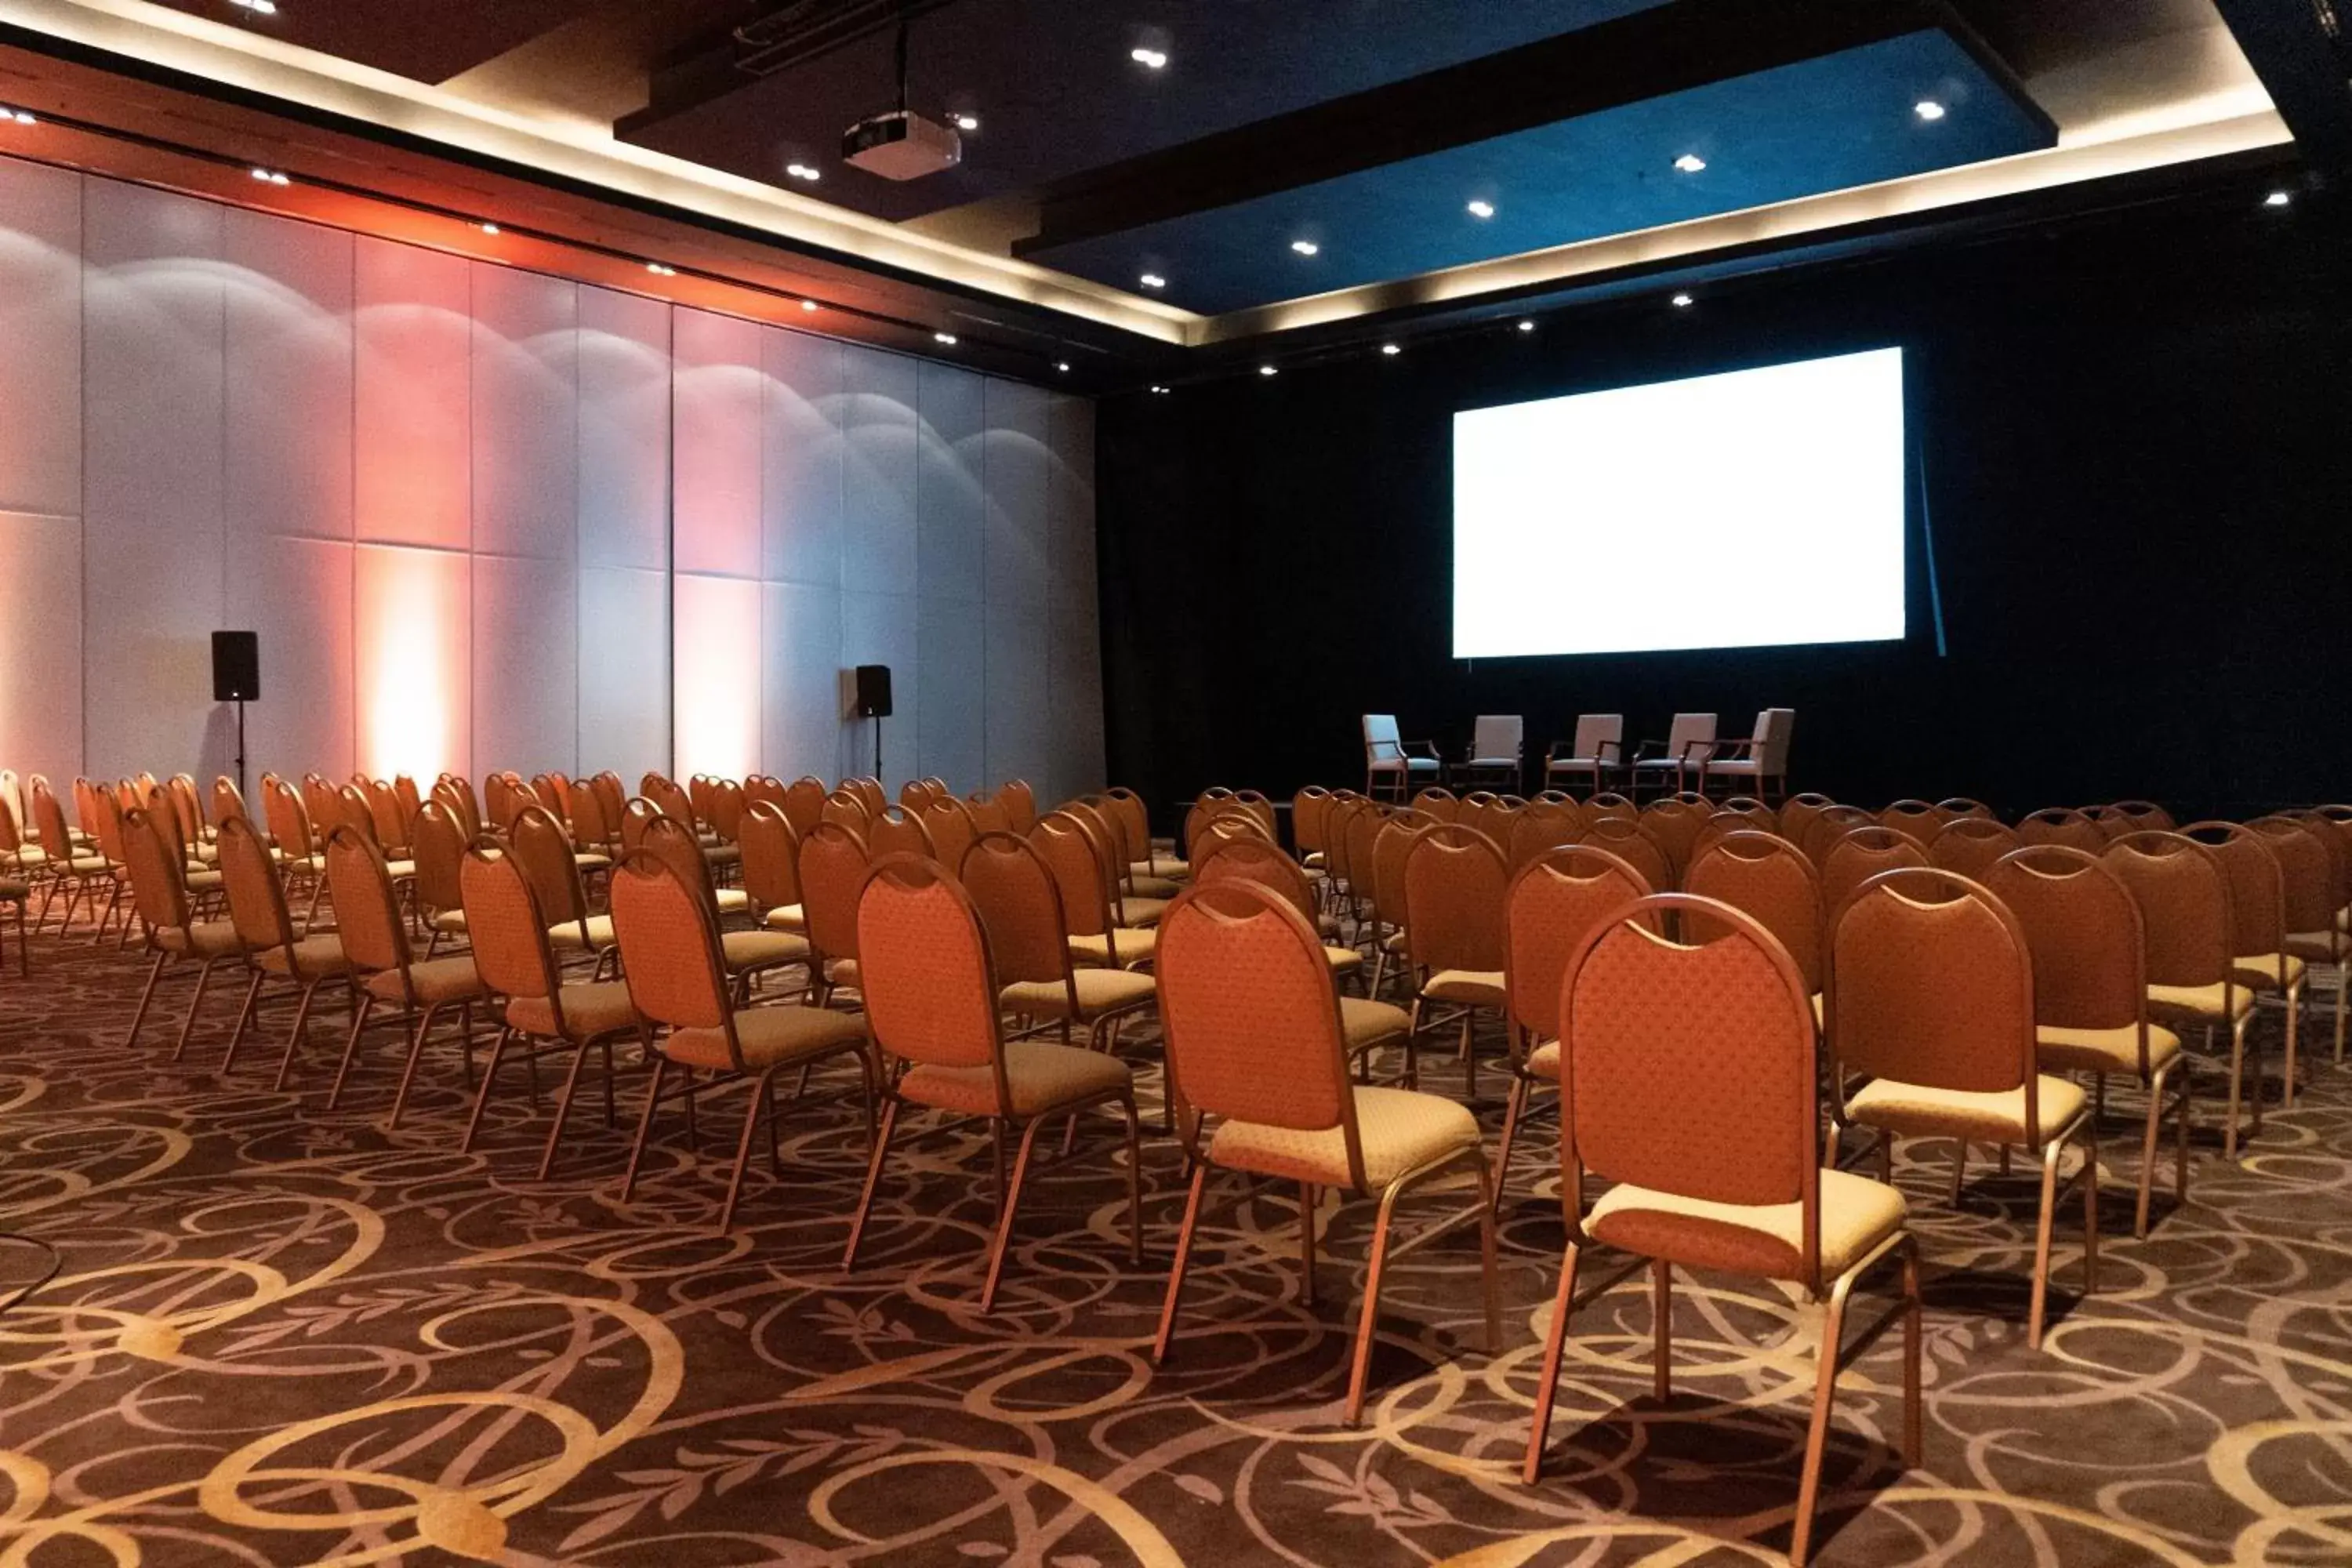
x: 2132, y: 439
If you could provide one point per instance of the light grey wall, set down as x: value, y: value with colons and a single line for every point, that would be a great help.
x: 487, y: 517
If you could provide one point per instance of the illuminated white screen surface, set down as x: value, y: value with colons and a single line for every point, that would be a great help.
x: 1756, y: 509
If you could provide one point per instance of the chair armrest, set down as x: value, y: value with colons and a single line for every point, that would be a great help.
x: 1428, y: 747
x: 1726, y: 750
x: 1649, y: 749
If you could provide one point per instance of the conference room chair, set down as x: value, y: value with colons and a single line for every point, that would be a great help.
x: 12, y: 807
x: 552, y: 789
x: 1437, y: 800
x: 677, y: 983
x: 2183, y: 894
x: 1595, y: 753
x: 832, y: 864
x: 545, y: 850
x: 1021, y: 802
x: 541, y: 1014
x: 1251, y: 857
x: 745, y: 954
x: 1082, y: 875
x: 1823, y: 831
x: 2084, y: 930
x: 1670, y: 766
x: 1497, y: 751
x: 805, y: 799
x: 1551, y: 905
x: 1766, y: 816
x: 78, y: 866
x: 1309, y: 808
x: 772, y: 861
x: 1728, y: 1182
x: 457, y: 791
x: 227, y: 800
x: 1959, y: 806
x: 1861, y: 853
x: 356, y: 809
x: 2259, y: 927
x: 915, y: 793
x: 1929, y: 996
x: 1129, y: 908
x: 1632, y: 842
x: 1608, y: 803
x: 1255, y: 1042
x: 896, y: 832
x: 1394, y: 767
x: 1797, y: 815
x: 990, y: 814
x: 387, y: 818
x: 1134, y: 819
x: 1544, y: 826
x: 294, y: 848
x: 870, y: 792
x: 1768, y: 880
x: 1379, y: 852
x: 1020, y: 905
x: 1759, y: 761
x: 759, y: 787
x: 167, y: 921
x: 724, y: 814
x: 194, y: 828
x: 104, y: 814
x: 1453, y: 886
x: 2145, y: 815
x: 1126, y: 827
x: 439, y: 852
x: 951, y: 825
x: 374, y: 942
x: 1916, y: 820
x: 2310, y: 890
x: 1970, y: 844
x: 1676, y: 823
x: 932, y: 1003
x: 1472, y: 812
x: 273, y: 948
x: 2063, y: 824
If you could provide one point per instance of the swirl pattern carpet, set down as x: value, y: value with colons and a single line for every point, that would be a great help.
x: 284, y: 1335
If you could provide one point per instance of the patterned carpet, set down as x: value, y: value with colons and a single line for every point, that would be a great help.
x: 282, y: 1335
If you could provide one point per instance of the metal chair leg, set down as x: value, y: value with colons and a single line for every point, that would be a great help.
x: 753, y: 1101
x: 490, y: 1075
x: 1809, y: 1489
x: 360, y: 1011
x: 644, y: 1125
x: 1547, y: 1390
x: 1005, y: 1221
x: 873, y: 1180
x: 294, y: 1036
x: 147, y: 995
x: 1176, y: 1267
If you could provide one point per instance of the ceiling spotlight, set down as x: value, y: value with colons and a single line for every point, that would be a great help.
x: 967, y: 122
x: 269, y: 177
x: 21, y: 116
x: 1153, y: 60
x: 802, y: 171
x: 1681, y: 302
x: 946, y: 338
x: 1527, y: 326
x: 1158, y: 392
x: 658, y: 270
x: 1305, y: 246
x: 1928, y: 109
x: 1690, y: 162
x: 1267, y: 370
x: 2278, y: 199
x: 809, y: 305
x: 489, y: 228
x: 1482, y: 209
x: 1390, y: 349
x: 258, y: 7
x: 1153, y: 280
x: 1063, y: 365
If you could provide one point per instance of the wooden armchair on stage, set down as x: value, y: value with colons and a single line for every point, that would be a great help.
x: 1669, y: 767
x: 1497, y: 751
x: 1394, y: 768
x: 1758, y: 765
x: 1597, y: 754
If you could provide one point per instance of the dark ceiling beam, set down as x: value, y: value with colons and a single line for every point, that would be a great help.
x: 783, y: 36
x: 1649, y: 54
x: 2302, y: 51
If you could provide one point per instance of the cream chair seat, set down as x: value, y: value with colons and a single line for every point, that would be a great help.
x: 1920, y: 1110
x: 2204, y: 1003
x: 769, y: 1035
x: 1099, y: 991
x: 1040, y: 1077
x: 1400, y: 1130
x: 589, y: 1010
x: 2113, y: 1050
x: 431, y: 982
x: 1478, y: 987
x: 1856, y: 1215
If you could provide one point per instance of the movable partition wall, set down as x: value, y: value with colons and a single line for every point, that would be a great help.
x: 487, y: 518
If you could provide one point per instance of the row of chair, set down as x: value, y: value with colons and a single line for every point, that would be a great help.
x: 1689, y: 758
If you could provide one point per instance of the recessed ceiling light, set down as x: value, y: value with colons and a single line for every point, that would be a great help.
x: 1690, y: 162
x: 1063, y: 365
x: 967, y: 122
x: 269, y: 177
x: 2277, y: 199
x: 258, y: 7
x: 1390, y: 349
x: 1928, y: 109
x: 1156, y: 60
x: 1153, y: 280
x: 658, y: 270
x: 1305, y: 246
x: 809, y: 305
x: 1159, y: 391
x: 1527, y: 326
x: 946, y: 338
x: 802, y: 171
x: 489, y: 228
x: 1482, y: 209
x: 1681, y: 302
x: 1267, y: 370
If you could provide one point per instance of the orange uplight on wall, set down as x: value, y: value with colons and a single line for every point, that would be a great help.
x: 413, y: 651
x: 716, y: 632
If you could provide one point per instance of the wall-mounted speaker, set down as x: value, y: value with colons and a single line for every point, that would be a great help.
x: 236, y: 666
x: 873, y: 692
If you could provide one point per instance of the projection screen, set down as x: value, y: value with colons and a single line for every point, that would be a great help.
x: 1756, y: 509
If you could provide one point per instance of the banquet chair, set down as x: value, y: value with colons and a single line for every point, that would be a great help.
x: 2144, y: 815
x: 158, y: 890
x: 1674, y: 825
x: 1730, y: 1181
x: 1497, y: 750
x: 540, y: 1012
x: 1915, y: 819
x: 744, y: 955
x: 831, y: 869
x: 897, y: 831
x: 1019, y: 805
x: 1128, y: 905
x: 1821, y: 832
x: 1310, y: 808
x: 1608, y: 803
x: 374, y: 939
x: 1632, y: 842
x: 1861, y: 853
x: 1761, y: 761
x: 1438, y: 802
x: 1768, y: 880
x: 79, y: 869
x: 1544, y: 826
x: 1676, y: 759
x: 2258, y: 922
x: 227, y: 800
x: 2312, y: 888
x: 771, y: 867
x: 2061, y: 824
x: 1454, y: 885
x: 1960, y: 805
x: 439, y: 852
x: 1390, y: 845
x: 989, y: 813
x: 948, y: 822
x: 2083, y: 928
x: 1134, y: 818
x: 1929, y: 999
x: 1551, y: 905
x: 2182, y: 891
x: 1082, y: 878
x: 1254, y: 1041
x: 1796, y: 814
x: 677, y: 982
x: 15, y: 893
x: 1970, y: 844
x: 1393, y: 765
x: 544, y: 851
x: 1020, y: 905
x: 274, y: 948
x: 804, y: 802
x: 294, y: 848
x: 932, y: 1002
x: 1596, y: 753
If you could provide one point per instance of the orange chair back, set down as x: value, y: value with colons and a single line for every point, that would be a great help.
x: 669, y: 949
x: 924, y: 968
x: 2083, y: 928
x: 1970, y: 844
x: 505, y: 925
x: 832, y: 868
x: 1253, y: 859
x: 2308, y: 882
x: 1630, y: 841
x: 159, y: 882
x: 2060, y: 824
x: 1861, y: 853
x: 545, y: 850
x: 1020, y: 906
x: 439, y: 852
x: 1438, y: 802
x: 1453, y: 886
x: 949, y: 827
x: 2183, y: 894
x: 898, y: 832
x: 771, y: 857
x: 2257, y: 890
x: 367, y: 915
x: 1020, y: 804
x: 1915, y: 819
x: 1549, y: 909
x: 1768, y: 880
x: 1539, y: 828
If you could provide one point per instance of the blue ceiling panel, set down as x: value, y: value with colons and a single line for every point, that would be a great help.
x: 1826, y: 124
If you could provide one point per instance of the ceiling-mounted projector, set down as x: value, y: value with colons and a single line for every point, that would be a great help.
x: 901, y: 145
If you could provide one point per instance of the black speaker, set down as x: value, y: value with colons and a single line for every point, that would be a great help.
x: 873, y: 692
x: 236, y: 666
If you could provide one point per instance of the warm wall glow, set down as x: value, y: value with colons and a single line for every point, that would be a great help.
x: 717, y: 643
x: 411, y: 614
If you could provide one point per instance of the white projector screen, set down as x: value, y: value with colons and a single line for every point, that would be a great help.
x: 1756, y: 509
